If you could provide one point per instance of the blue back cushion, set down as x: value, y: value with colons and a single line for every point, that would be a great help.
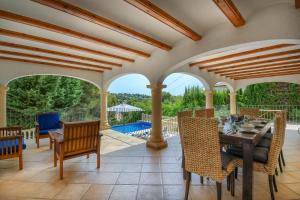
x: 48, y: 121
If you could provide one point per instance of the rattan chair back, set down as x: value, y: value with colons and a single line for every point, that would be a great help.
x: 202, y: 147
x: 252, y: 112
x: 276, y: 143
x: 206, y: 113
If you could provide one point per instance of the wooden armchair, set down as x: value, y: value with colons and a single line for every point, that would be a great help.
x: 10, y: 140
x: 46, y: 122
x: 76, y: 139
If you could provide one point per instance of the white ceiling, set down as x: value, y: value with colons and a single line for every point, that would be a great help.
x: 200, y: 15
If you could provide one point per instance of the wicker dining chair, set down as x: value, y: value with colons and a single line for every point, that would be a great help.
x: 202, y: 153
x: 266, y: 141
x: 270, y: 165
x: 180, y: 115
x: 251, y: 112
x: 207, y: 113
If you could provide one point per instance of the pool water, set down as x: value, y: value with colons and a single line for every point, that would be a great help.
x: 128, y: 128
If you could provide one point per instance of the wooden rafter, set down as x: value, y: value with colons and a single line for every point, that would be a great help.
x: 250, y: 70
x: 256, y: 63
x: 51, y: 27
x: 96, y: 19
x: 267, y: 75
x: 57, y: 53
x: 275, y: 69
x: 282, y: 53
x: 14, y: 53
x: 161, y: 15
x: 231, y: 12
x: 60, y: 44
x: 268, y: 48
x: 50, y: 64
x: 297, y: 4
x: 257, y: 67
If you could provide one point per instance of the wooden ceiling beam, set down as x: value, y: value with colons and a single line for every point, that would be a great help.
x: 14, y: 53
x: 96, y: 19
x: 297, y: 4
x: 282, y: 53
x: 50, y: 64
x: 256, y: 63
x: 57, y: 53
x: 60, y: 44
x: 267, y: 75
x: 231, y: 12
x: 284, y: 68
x: 268, y: 48
x: 151, y: 9
x: 260, y: 69
x: 54, y: 28
x: 257, y: 67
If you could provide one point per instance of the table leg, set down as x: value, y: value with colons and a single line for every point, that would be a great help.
x: 247, y: 171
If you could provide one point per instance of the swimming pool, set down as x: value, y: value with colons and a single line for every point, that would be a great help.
x: 133, y: 127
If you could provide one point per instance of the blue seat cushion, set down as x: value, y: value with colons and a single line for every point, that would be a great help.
x: 46, y: 131
x: 260, y: 153
x: 226, y: 158
x: 10, y: 143
x: 48, y: 121
x: 268, y: 135
x: 265, y: 142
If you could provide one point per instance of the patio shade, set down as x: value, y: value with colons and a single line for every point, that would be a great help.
x: 124, y: 108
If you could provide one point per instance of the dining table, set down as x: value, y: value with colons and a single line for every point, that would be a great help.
x: 232, y: 134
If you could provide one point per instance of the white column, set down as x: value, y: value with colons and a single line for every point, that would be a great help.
x: 156, y: 139
x: 103, y: 117
x: 232, y: 103
x: 209, y: 99
x: 3, y: 90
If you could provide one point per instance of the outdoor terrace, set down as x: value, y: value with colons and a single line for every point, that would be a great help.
x: 130, y: 170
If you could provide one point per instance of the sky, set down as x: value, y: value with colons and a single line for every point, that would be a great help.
x: 136, y: 83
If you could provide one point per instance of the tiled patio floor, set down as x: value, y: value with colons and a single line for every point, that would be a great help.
x: 129, y: 170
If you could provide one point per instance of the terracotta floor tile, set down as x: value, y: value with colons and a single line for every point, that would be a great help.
x: 124, y: 192
x: 151, y: 179
x: 98, y: 192
x: 150, y: 192
x: 73, y: 191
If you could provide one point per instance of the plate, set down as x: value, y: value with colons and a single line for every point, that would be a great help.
x: 252, y: 131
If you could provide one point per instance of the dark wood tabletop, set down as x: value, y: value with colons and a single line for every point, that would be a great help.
x: 247, y: 141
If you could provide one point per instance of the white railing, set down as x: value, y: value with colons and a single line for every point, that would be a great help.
x: 169, y: 125
x: 293, y: 111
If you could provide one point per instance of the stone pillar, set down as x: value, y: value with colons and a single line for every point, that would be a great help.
x: 156, y: 139
x: 103, y: 117
x: 209, y: 99
x: 232, y: 103
x: 3, y: 90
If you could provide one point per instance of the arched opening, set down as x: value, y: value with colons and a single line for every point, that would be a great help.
x: 272, y: 96
x: 129, y: 105
x: 221, y: 99
x: 183, y: 91
x: 73, y: 98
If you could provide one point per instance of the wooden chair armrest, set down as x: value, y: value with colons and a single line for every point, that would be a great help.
x: 58, y: 137
x: 3, y: 138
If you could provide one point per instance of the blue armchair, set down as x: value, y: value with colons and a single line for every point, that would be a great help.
x: 46, y: 122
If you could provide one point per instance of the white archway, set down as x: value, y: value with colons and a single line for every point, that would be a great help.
x: 202, y: 80
x: 115, y: 78
x: 13, y: 70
